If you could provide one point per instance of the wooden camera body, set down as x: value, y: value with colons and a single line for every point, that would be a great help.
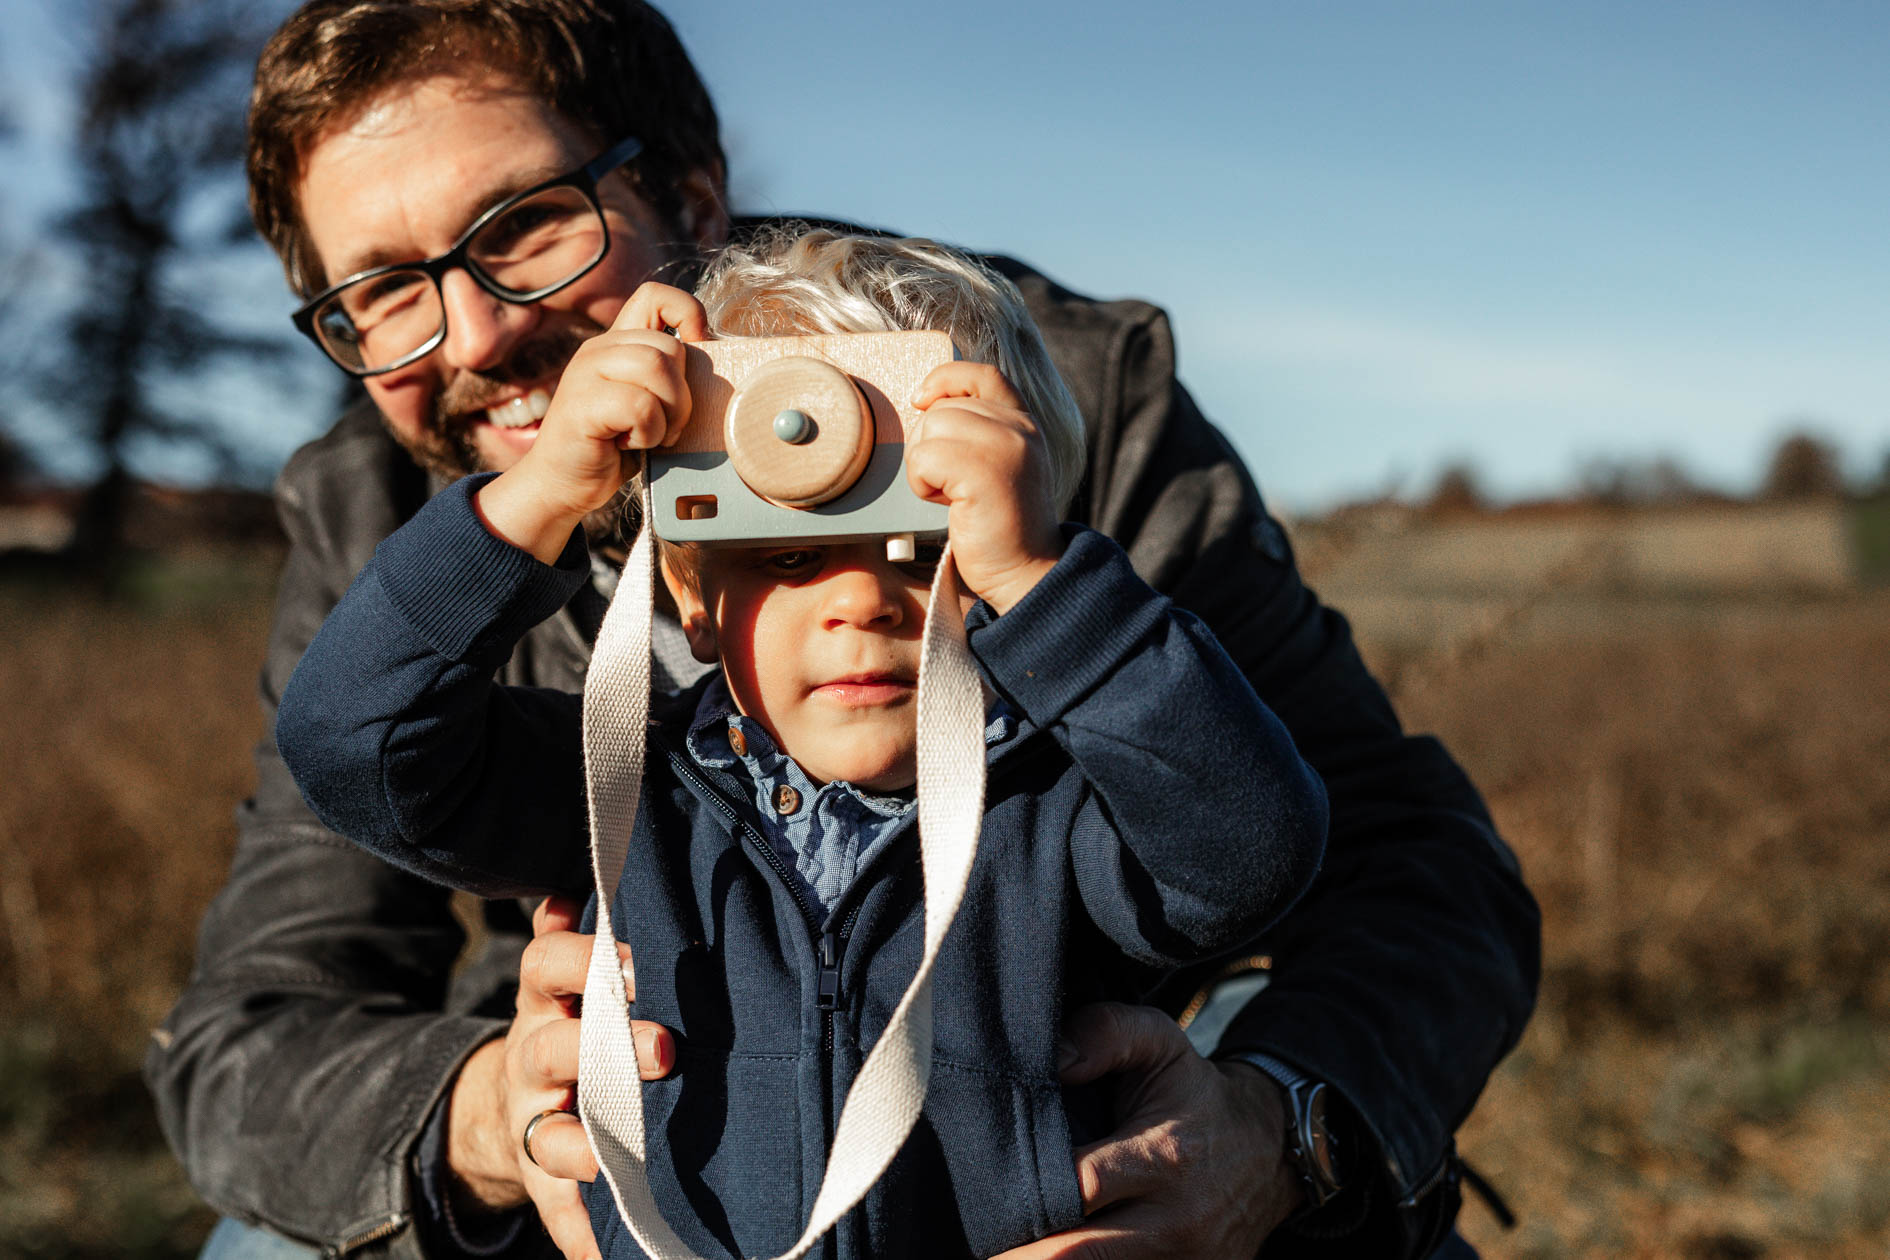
x: 797, y: 439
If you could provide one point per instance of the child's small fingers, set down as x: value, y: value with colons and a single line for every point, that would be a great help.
x: 652, y: 404
x: 926, y: 470
x: 943, y: 470
x: 633, y: 418
x: 655, y: 307
x: 966, y: 380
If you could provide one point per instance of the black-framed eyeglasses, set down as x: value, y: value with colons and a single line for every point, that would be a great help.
x: 525, y: 248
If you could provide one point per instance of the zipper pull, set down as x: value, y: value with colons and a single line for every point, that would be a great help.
x: 829, y: 998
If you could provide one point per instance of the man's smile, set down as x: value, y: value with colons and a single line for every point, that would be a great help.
x: 518, y: 412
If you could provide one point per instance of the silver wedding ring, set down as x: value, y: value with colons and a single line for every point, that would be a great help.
x: 531, y: 1127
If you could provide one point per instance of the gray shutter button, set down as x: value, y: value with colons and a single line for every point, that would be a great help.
x: 792, y: 426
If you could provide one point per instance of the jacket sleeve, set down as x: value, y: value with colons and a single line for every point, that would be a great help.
x: 400, y: 738
x: 1410, y: 968
x: 1172, y: 744
x: 324, y: 1019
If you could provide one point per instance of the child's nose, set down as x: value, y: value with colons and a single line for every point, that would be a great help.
x: 865, y: 595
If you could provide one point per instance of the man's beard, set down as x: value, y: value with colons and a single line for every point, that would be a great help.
x: 447, y: 449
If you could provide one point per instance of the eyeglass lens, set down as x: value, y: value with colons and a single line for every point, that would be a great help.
x: 536, y: 246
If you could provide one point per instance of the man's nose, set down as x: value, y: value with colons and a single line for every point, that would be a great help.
x: 480, y: 328
x: 864, y: 594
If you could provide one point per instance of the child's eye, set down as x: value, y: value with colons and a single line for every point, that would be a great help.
x: 799, y: 562
x: 924, y: 562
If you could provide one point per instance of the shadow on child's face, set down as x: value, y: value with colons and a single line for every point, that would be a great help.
x: 820, y: 644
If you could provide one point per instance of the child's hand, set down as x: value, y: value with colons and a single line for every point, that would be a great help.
x: 621, y: 394
x: 981, y: 455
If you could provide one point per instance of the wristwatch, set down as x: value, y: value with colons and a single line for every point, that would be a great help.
x: 1313, y: 1149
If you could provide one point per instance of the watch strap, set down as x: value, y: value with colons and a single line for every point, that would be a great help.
x: 1320, y: 1186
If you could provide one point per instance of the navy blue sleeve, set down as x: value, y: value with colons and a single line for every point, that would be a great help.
x: 400, y: 739
x: 1205, y: 824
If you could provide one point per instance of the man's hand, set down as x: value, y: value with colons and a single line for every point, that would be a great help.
x: 505, y: 1083
x: 1196, y: 1166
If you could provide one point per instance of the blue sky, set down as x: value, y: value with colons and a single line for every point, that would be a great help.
x: 1389, y: 235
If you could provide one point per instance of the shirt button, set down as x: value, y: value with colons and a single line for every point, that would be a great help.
x: 737, y: 741
x: 786, y: 800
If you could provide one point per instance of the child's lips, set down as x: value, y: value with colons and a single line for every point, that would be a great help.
x: 863, y: 690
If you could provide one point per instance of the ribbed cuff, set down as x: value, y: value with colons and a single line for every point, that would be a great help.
x: 469, y: 595
x: 1073, y: 629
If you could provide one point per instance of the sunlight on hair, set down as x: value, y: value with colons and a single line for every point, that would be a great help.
x: 796, y: 280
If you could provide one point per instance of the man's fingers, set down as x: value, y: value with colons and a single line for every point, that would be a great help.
x: 553, y: 970
x: 1118, y: 1169
x: 561, y: 1149
x: 1108, y: 1037
x: 654, y: 307
x: 549, y: 1053
x: 557, y: 914
x: 656, y: 1049
x: 1135, y: 1231
x: 564, y: 1215
x: 548, y: 1057
x: 1086, y: 1242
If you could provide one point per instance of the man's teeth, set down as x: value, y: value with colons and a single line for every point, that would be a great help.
x: 527, y: 409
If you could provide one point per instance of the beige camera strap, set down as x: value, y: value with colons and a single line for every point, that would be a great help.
x: 886, y: 1098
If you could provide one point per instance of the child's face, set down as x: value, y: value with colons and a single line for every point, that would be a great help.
x: 820, y: 644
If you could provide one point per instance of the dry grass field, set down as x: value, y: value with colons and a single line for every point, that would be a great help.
x: 1697, y: 787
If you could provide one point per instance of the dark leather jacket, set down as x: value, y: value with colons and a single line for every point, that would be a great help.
x: 331, y: 1006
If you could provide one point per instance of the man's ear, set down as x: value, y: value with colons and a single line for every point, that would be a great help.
x: 698, y: 627
x: 704, y: 207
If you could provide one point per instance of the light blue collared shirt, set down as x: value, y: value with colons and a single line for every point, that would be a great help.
x: 834, y: 828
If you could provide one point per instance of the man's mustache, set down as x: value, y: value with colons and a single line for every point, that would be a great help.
x: 543, y: 356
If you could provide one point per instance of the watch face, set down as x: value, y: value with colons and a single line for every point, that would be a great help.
x: 1320, y: 1148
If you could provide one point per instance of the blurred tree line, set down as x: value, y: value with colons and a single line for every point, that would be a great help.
x: 1804, y: 466
x: 133, y: 266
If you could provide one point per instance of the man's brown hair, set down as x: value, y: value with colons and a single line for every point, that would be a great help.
x: 613, y: 67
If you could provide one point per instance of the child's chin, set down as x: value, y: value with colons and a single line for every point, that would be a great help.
x: 872, y: 773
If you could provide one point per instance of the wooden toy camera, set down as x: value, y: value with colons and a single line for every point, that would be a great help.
x: 798, y: 439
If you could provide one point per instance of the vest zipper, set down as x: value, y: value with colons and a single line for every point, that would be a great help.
x: 754, y: 838
x: 828, y: 944
x: 829, y: 997
x: 832, y: 945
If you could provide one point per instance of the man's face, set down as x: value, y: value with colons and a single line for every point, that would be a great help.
x: 820, y: 644
x: 400, y: 181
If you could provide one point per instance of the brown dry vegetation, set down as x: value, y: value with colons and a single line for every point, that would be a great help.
x: 127, y: 743
x: 1700, y: 800
x: 1698, y: 792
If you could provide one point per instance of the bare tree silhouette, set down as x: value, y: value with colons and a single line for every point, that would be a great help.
x: 1804, y: 466
x: 1459, y: 490
x: 159, y: 155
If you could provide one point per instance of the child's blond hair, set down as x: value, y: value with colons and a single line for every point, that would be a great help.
x: 790, y: 280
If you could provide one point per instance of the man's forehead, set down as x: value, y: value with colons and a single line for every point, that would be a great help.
x: 427, y: 156
x: 362, y: 255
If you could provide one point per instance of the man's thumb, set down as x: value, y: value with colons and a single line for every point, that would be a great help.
x: 1108, y: 1037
